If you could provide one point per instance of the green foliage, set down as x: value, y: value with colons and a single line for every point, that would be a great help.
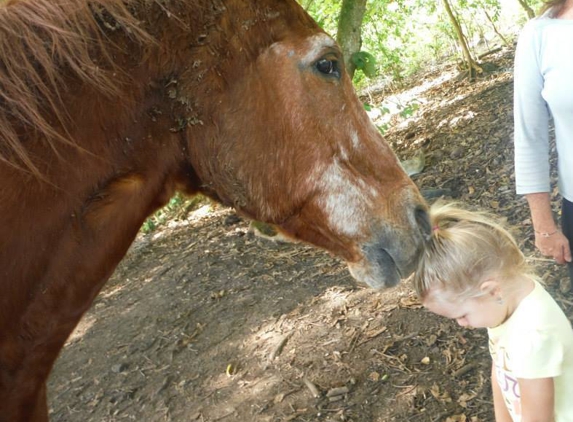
x: 383, y: 128
x: 366, y: 62
x: 177, y: 207
x: 403, y: 36
x: 409, y: 109
x: 386, y: 116
x: 161, y: 216
x: 325, y: 12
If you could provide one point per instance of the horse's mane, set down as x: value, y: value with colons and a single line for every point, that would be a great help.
x: 42, y: 44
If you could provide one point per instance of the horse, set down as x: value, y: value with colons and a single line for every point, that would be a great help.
x: 110, y: 107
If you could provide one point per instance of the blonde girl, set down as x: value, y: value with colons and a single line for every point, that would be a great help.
x: 474, y: 272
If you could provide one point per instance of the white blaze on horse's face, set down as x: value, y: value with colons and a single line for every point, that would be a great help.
x: 345, y: 202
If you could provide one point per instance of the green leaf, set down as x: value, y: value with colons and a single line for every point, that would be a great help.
x: 365, y: 62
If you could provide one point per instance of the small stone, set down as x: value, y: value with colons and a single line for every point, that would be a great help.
x: 119, y: 367
x: 458, y: 152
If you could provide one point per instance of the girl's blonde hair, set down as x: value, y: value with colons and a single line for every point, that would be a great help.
x: 465, y: 249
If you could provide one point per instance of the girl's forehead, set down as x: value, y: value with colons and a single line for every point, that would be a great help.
x: 448, y: 304
x: 444, y: 308
x: 439, y: 294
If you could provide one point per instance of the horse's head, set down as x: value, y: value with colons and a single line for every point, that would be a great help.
x: 293, y: 146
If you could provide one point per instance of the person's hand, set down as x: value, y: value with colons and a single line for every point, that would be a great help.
x: 555, y: 245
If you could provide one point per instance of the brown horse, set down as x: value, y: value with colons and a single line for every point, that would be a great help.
x: 108, y: 107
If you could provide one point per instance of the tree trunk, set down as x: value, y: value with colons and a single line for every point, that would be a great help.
x: 349, y: 31
x: 527, y: 8
x: 470, y: 62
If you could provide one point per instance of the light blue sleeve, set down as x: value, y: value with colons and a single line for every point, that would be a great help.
x: 531, y: 115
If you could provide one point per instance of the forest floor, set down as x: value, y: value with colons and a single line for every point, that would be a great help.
x: 203, y: 321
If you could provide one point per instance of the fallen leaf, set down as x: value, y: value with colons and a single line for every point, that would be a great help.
x: 374, y: 376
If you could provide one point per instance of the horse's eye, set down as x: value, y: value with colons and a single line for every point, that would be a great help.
x: 328, y: 67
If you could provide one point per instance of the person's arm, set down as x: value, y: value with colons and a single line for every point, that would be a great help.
x: 531, y: 140
x: 537, y: 399
x: 499, y: 407
x: 530, y: 116
x: 548, y: 238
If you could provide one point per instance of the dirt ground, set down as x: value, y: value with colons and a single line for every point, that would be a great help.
x: 204, y: 321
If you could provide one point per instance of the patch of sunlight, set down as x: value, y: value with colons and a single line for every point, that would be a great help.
x: 247, y: 390
x: 85, y: 324
x: 112, y: 291
x: 462, y: 116
x: 223, y: 380
x: 109, y: 292
x: 201, y: 212
x: 205, y: 211
x: 335, y: 298
x: 395, y: 104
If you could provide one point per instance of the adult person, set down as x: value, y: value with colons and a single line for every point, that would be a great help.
x: 543, y: 89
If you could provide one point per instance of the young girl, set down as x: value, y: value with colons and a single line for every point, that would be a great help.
x: 473, y: 271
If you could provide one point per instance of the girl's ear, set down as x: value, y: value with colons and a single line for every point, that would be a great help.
x: 492, y: 288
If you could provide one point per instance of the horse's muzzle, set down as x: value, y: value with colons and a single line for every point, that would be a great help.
x: 393, y: 252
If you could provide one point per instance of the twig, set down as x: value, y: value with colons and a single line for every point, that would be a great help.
x: 407, y: 390
x: 565, y: 301
x: 224, y: 416
x: 338, y: 391
x: 279, y: 347
x: 406, y: 337
x: 465, y: 369
x: 313, y: 390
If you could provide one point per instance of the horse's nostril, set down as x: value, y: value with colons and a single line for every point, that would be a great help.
x: 423, y: 220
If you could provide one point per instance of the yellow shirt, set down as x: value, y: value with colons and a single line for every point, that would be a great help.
x: 535, y: 342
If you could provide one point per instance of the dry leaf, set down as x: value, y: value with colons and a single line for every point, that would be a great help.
x: 431, y: 339
x: 374, y: 376
x: 375, y: 332
x: 410, y: 302
x: 457, y: 418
